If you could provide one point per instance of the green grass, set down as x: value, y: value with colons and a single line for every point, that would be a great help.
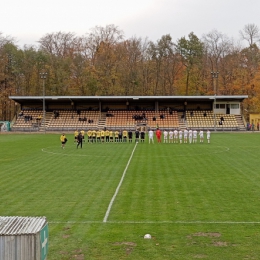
x: 198, y: 201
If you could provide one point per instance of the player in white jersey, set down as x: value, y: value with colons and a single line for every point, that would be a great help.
x: 190, y: 136
x: 208, y: 136
x: 165, y: 136
x: 180, y: 136
x: 195, y: 133
x: 170, y: 136
x: 185, y: 135
x: 175, y: 136
x: 201, y: 134
x: 150, y: 136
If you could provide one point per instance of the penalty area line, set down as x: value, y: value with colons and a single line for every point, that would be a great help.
x: 118, y: 187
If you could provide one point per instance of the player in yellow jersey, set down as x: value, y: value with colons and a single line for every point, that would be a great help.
x: 124, y: 136
x: 98, y: 135
x: 107, y: 135
x: 89, y: 133
x: 102, y: 134
x: 111, y: 136
x: 76, y: 133
x: 83, y: 135
x: 116, y: 136
x: 63, y: 140
x: 94, y: 135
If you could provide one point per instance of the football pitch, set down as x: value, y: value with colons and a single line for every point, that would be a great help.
x: 198, y: 201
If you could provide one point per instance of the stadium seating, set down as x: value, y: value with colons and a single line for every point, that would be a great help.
x: 119, y: 119
x: 206, y: 119
x: 67, y: 120
x: 131, y: 119
x: 71, y: 120
x: 31, y: 119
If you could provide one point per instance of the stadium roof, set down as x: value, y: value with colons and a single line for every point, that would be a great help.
x: 75, y: 99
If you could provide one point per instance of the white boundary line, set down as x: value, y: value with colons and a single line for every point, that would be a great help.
x: 119, y: 185
x: 159, y: 222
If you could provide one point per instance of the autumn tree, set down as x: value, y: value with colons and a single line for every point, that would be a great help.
x: 8, y: 65
x: 145, y: 69
x: 166, y: 64
x: 250, y: 33
x: 60, y: 47
x: 129, y: 75
x: 191, y: 52
x: 217, y: 47
x: 102, y: 62
x: 101, y: 47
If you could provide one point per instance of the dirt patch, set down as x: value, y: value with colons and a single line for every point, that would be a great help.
x: 77, y: 254
x: 65, y: 236
x: 129, y: 246
x: 124, y: 243
x: 203, y: 234
x: 63, y: 253
x: 200, y: 256
x: 219, y: 243
x: 66, y: 228
x: 78, y: 257
x: 206, y: 238
x: 78, y: 251
x: 129, y: 250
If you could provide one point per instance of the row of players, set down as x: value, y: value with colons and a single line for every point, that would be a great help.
x: 180, y: 136
x: 172, y: 136
x: 109, y: 135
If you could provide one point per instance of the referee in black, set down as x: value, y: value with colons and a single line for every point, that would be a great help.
x: 79, y: 140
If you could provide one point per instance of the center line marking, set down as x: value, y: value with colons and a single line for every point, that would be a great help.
x: 118, y: 187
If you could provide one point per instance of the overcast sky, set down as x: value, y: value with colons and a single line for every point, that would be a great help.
x: 29, y: 20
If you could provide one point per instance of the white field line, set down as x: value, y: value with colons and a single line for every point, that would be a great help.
x: 63, y: 152
x: 160, y: 222
x: 119, y: 185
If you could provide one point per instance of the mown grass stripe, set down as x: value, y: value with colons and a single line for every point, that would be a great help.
x: 119, y: 185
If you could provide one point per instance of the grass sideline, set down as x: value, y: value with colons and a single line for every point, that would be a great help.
x: 196, y: 200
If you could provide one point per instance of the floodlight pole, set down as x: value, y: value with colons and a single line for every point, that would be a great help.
x: 214, y: 110
x: 214, y: 78
x: 43, y: 76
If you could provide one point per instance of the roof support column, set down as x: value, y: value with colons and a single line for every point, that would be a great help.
x: 99, y: 108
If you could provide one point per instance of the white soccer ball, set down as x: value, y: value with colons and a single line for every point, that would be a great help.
x: 147, y: 236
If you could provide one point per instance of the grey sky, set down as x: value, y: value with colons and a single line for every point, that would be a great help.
x: 29, y: 20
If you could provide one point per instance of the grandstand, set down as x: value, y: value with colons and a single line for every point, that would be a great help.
x: 206, y: 119
x: 175, y: 112
x: 151, y: 119
x: 71, y: 119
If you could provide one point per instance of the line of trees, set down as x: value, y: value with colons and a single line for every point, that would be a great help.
x: 103, y: 62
